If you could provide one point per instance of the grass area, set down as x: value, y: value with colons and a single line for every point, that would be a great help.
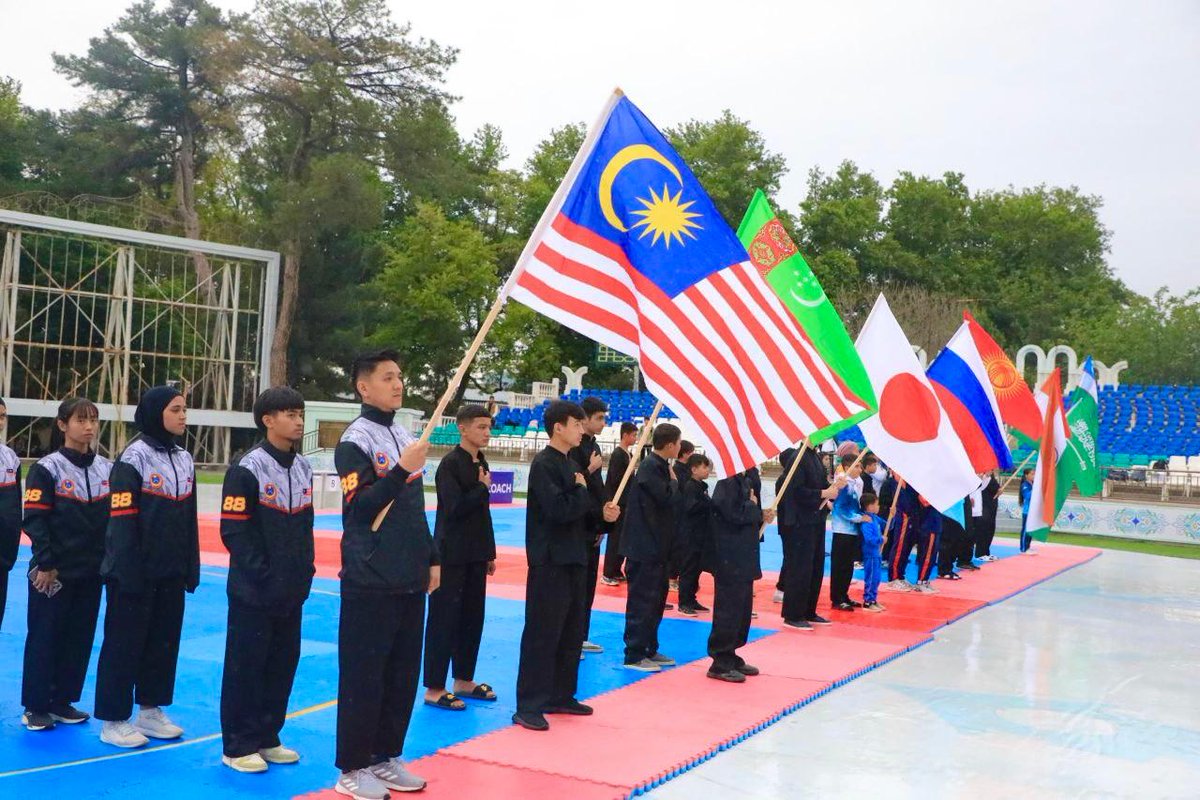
x: 1173, y: 549
x: 213, y: 476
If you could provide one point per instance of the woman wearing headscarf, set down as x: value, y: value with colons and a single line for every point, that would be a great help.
x: 152, y: 556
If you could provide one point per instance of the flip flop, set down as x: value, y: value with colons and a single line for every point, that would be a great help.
x: 447, y: 702
x: 481, y: 692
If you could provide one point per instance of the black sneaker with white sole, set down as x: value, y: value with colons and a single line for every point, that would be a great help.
x: 817, y: 619
x: 797, y: 624
x: 688, y: 611
x: 68, y: 714
x: 37, y: 721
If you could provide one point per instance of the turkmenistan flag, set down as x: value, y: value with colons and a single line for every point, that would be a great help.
x: 1080, y: 464
x: 788, y: 274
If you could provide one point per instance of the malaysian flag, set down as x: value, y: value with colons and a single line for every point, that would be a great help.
x: 632, y: 253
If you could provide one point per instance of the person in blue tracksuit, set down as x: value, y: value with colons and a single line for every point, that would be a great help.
x: 1026, y: 494
x: 871, y: 530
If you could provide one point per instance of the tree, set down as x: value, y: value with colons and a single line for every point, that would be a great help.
x: 1158, y: 336
x: 166, y: 70
x: 841, y: 225
x: 13, y: 135
x: 324, y: 77
x: 730, y: 159
x: 437, y: 284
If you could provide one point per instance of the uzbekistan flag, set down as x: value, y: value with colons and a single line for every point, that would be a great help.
x: 960, y: 379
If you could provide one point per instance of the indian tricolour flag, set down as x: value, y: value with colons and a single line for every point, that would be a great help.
x: 778, y: 259
x: 1047, y: 499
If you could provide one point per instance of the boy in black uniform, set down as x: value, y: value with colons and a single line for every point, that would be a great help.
x: 10, y: 511
x: 588, y: 460
x: 267, y: 527
x: 678, y: 547
x: 467, y: 547
x: 738, y: 519
x: 389, y: 562
x: 618, y: 462
x: 556, y: 546
x: 696, y: 531
x: 803, y: 509
x: 987, y: 522
x: 653, y: 496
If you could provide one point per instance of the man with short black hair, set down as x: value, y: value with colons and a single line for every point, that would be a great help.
x: 653, y: 495
x: 267, y: 527
x: 466, y: 545
x: 556, y: 546
x: 589, y: 461
x: 389, y: 563
x: 618, y: 463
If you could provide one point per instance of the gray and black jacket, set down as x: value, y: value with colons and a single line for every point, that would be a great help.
x: 153, y: 533
x: 397, y: 557
x: 267, y: 526
x: 10, y: 507
x: 66, y: 510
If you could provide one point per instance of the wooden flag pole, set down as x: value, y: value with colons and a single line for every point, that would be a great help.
x: 787, y: 481
x: 637, y: 453
x: 1015, y: 473
x: 892, y: 512
x: 452, y: 388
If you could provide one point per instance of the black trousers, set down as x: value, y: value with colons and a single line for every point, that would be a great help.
x: 985, y: 532
x: 841, y: 566
x: 966, y: 552
x: 787, y: 536
x: 3, y: 595
x: 644, y: 607
x: 689, y: 575
x: 953, y: 537
x: 591, y: 578
x: 59, y: 643
x: 379, y: 662
x: 262, y: 650
x: 548, y: 673
x: 141, y: 648
x: 455, y: 625
x: 805, y: 570
x: 733, y: 603
x: 613, y: 560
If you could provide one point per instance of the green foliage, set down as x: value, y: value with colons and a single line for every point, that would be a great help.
x: 323, y: 129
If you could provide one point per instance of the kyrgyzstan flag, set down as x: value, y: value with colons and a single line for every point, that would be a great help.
x: 911, y: 433
x: 1018, y: 409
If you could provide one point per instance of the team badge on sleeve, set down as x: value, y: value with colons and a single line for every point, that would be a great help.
x: 156, y: 480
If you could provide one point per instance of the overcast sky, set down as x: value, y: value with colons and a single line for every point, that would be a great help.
x: 1100, y: 95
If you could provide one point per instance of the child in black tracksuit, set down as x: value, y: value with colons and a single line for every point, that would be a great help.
x: 267, y: 527
x: 695, y: 531
x: 151, y: 558
x: 66, y: 510
x: 737, y: 522
x: 10, y: 511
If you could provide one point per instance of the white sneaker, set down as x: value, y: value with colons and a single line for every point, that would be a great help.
x: 122, y: 734
x: 155, y: 723
x: 361, y: 784
x: 394, y: 775
x: 645, y: 665
x: 592, y: 647
x: 279, y: 755
x: 777, y: 597
x: 248, y: 764
x: 925, y: 588
x: 896, y: 586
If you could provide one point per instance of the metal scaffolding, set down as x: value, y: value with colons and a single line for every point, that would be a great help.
x: 107, y: 313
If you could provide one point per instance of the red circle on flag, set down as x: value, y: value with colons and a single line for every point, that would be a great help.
x: 908, y: 409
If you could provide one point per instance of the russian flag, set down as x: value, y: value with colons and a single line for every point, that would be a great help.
x: 961, y: 383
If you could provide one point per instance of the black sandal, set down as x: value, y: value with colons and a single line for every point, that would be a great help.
x: 481, y: 692
x: 447, y: 701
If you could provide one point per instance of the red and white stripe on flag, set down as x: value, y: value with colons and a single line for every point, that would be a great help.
x: 725, y: 353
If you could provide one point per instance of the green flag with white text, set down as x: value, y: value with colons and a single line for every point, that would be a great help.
x: 1080, y: 463
x: 775, y: 255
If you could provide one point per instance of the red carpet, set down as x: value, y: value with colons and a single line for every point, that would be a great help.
x: 657, y: 728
